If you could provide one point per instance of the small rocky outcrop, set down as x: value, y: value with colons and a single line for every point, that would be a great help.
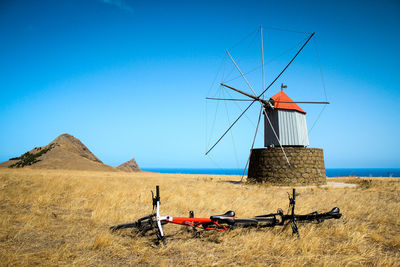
x: 129, y: 166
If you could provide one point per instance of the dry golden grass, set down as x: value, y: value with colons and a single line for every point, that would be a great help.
x: 54, y: 217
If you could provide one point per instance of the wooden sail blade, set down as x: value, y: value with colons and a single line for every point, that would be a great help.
x: 290, y: 62
x: 262, y: 59
x: 252, y: 145
x: 241, y: 73
x: 231, y: 99
x: 230, y: 127
x: 302, y: 102
x: 276, y: 136
x: 241, y: 92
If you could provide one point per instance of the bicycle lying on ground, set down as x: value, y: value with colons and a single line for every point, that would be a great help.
x: 226, y: 221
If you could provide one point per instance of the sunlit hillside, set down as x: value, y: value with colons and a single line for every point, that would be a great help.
x: 59, y: 217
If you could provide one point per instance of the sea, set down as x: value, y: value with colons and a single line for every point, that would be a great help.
x: 330, y: 172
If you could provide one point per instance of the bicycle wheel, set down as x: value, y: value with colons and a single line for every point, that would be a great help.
x: 123, y: 226
x: 143, y: 225
x: 146, y: 225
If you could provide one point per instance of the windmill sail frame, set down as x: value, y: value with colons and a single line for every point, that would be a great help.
x: 276, y: 122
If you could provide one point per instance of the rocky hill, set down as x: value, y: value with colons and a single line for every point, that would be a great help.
x: 64, y: 152
x: 129, y: 166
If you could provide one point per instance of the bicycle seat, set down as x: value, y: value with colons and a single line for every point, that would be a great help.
x: 228, y: 217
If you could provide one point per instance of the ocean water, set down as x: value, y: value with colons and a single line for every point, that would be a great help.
x: 365, y: 172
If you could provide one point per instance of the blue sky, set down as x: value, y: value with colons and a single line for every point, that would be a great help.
x: 129, y: 78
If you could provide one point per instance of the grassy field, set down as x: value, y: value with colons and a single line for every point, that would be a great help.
x: 51, y: 217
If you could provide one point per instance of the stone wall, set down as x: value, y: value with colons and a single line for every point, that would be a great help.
x: 269, y: 165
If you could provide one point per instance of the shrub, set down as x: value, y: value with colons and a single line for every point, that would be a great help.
x: 28, y: 158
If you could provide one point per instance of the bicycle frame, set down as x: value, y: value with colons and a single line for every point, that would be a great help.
x: 203, y: 223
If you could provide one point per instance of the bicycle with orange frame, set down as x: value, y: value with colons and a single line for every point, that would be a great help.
x: 226, y: 221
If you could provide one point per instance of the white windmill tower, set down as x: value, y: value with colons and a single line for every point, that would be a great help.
x: 286, y: 158
x: 286, y: 124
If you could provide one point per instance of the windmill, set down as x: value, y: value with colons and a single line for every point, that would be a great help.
x: 285, y: 134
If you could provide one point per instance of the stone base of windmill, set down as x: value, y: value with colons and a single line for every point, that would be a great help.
x: 268, y: 165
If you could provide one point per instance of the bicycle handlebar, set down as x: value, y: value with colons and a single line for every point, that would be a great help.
x: 157, y: 193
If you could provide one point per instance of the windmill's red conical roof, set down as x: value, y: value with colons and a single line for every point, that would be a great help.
x: 282, y: 96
